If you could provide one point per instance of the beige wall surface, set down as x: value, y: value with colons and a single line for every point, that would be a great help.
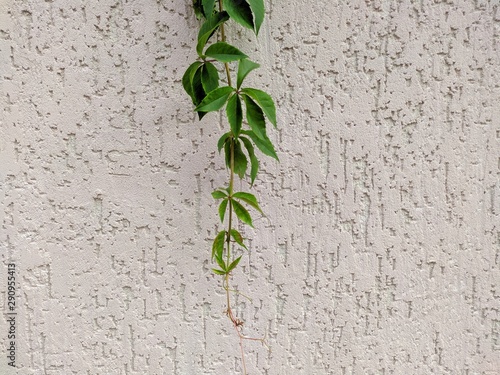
x: 380, y: 252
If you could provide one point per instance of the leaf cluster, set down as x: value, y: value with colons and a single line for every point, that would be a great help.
x: 248, y: 110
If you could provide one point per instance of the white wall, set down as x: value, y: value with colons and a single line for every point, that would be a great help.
x: 381, y: 254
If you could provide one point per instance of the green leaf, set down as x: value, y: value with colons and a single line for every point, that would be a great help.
x: 187, y: 78
x: 253, y: 160
x: 238, y: 238
x: 220, y: 262
x: 219, y: 272
x: 242, y: 213
x: 240, y: 11
x: 258, y: 11
x: 208, y: 28
x: 255, y: 118
x: 198, y: 9
x: 245, y: 66
x: 219, y: 194
x: 224, y: 52
x: 234, y: 114
x: 222, y: 209
x: 222, y: 140
x: 208, y: 7
x: 263, y: 145
x: 233, y: 264
x: 249, y: 199
x: 209, y: 77
x: 227, y: 152
x: 215, y: 99
x: 198, y: 91
x: 240, y: 160
x: 218, y: 244
x: 264, y: 101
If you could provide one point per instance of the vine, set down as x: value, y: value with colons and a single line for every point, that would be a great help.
x: 247, y: 131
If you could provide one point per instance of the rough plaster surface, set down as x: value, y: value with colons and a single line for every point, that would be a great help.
x: 381, y: 254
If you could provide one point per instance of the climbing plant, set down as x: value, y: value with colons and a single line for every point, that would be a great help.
x: 248, y: 111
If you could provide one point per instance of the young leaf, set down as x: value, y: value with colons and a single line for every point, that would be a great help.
x: 263, y: 145
x: 264, y: 101
x: 245, y: 66
x: 240, y: 160
x: 224, y: 52
x: 215, y: 99
x: 219, y: 194
x: 234, y: 114
x: 187, y: 78
x: 249, y: 199
x: 240, y: 11
x: 222, y: 209
x: 209, y: 77
x: 238, y: 238
x: 258, y: 11
x: 222, y: 140
x: 253, y: 160
x: 208, y: 7
x: 242, y: 213
x: 220, y: 262
x: 233, y: 264
x: 208, y: 28
x: 218, y: 245
x: 255, y: 117
x: 219, y: 272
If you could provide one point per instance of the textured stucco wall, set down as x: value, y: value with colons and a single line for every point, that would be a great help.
x: 381, y: 254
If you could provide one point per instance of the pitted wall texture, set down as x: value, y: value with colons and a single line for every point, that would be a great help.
x: 380, y: 253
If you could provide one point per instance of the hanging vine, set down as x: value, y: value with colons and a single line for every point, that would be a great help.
x: 248, y: 110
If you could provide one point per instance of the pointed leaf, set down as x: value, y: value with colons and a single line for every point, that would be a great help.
x: 219, y: 272
x: 208, y: 7
x: 227, y: 153
x: 255, y: 118
x: 258, y: 11
x: 209, y: 77
x: 224, y: 52
x: 222, y: 140
x: 220, y: 261
x: 264, y: 101
x: 249, y: 199
x: 240, y: 11
x: 234, y: 114
x: 198, y: 91
x: 242, y: 213
x: 253, y: 160
x: 233, y: 264
x: 208, y: 28
x: 222, y: 209
x: 245, y: 66
x: 219, y: 194
x: 240, y: 160
x: 263, y: 145
x: 238, y: 238
x: 187, y: 78
x: 215, y: 99
x: 218, y: 244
